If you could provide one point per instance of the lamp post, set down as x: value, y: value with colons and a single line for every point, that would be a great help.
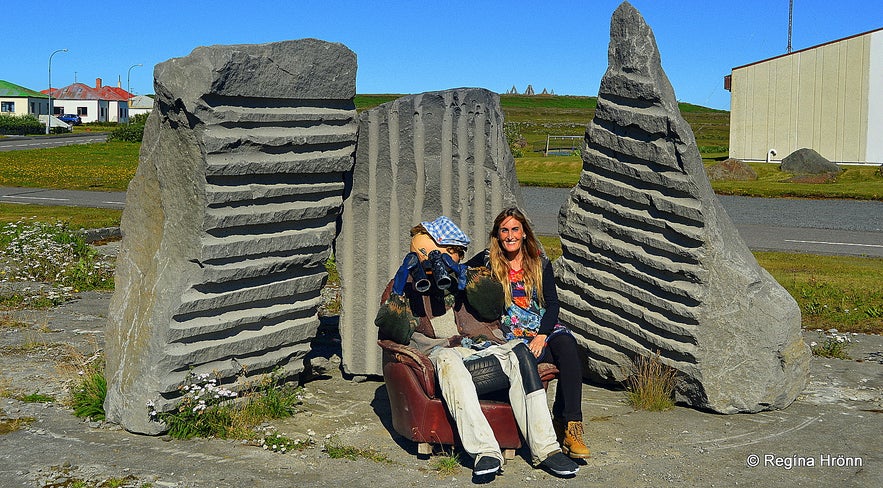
x: 128, y: 89
x: 49, y: 116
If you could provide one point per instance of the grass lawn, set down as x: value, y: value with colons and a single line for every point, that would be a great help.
x: 76, y: 217
x: 840, y: 292
x: 106, y: 166
x: 859, y: 182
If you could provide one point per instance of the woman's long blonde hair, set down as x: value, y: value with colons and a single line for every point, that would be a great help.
x: 531, y: 262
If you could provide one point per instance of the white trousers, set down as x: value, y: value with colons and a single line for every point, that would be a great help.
x: 531, y: 410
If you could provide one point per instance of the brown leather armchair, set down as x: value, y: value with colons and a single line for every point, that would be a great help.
x: 418, y: 412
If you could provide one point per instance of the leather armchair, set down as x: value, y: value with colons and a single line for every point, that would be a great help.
x: 418, y: 412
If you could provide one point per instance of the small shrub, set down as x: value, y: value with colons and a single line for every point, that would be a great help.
x: 831, y: 345
x: 88, y: 399
x: 131, y: 132
x: 21, y: 125
x: 198, y: 414
x: 208, y: 410
x: 446, y: 465
x: 652, y: 385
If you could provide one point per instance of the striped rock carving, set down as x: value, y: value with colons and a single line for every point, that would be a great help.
x: 651, y: 261
x: 229, y: 220
x: 418, y: 157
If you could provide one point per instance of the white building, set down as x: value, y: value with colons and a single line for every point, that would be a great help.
x: 828, y: 98
x: 140, y: 104
x: 98, y: 104
x: 18, y: 100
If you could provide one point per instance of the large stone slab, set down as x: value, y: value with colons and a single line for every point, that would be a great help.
x: 418, y: 157
x: 651, y: 261
x: 229, y: 220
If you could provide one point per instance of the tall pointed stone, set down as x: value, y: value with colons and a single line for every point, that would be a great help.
x: 229, y: 220
x: 651, y: 261
x: 418, y: 157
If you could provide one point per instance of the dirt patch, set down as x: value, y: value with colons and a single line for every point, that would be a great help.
x: 834, y: 425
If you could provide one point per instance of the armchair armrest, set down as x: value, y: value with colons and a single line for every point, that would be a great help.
x: 414, y: 359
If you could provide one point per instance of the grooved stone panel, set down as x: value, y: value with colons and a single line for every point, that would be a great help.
x: 229, y: 220
x: 651, y: 261
x: 417, y: 157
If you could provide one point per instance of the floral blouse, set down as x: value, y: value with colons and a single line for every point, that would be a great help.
x: 521, y: 320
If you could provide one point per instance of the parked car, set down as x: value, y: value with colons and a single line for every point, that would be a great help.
x: 72, y: 119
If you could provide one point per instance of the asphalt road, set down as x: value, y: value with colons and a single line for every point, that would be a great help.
x: 842, y: 227
x: 67, y: 198
x: 14, y: 143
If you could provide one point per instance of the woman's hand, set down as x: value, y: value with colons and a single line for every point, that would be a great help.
x: 537, y: 344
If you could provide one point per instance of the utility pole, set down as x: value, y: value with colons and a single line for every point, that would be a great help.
x: 790, y: 16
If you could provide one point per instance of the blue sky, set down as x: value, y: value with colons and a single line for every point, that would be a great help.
x: 414, y: 46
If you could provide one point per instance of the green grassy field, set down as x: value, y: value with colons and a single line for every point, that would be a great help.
x: 76, y: 217
x: 535, y: 117
x: 858, y: 182
x: 104, y: 166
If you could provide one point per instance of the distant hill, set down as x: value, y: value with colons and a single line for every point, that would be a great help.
x: 536, y: 116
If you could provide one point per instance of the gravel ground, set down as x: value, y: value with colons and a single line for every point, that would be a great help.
x: 835, y: 426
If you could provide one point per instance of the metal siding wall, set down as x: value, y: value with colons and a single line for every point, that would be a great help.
x: 738, y: 114
x: 874, y: 87
x: 817, y: 99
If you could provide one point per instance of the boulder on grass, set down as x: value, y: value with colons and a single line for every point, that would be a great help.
x: 731, y: 170
x: 806, y: 161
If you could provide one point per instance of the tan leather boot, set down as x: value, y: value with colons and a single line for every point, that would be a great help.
x: 573, y: 444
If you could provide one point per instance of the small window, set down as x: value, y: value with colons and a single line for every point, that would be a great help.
x: 57, y: 110
x: 7, y: 106
x: 82, y: 111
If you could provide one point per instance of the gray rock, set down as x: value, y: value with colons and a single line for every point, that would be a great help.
x: 731, y: 170
x: 807, y: 161
x: 229, y: 220
x: 651, y: 261
x: 418, y: 157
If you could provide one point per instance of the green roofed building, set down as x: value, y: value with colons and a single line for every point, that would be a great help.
x: 18, y: 100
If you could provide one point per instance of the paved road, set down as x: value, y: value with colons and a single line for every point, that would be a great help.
x: 14, y: 143
x: 843, y: 227
x: 68, y: 198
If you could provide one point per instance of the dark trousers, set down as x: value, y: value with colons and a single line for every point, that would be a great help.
x: 562, y: 352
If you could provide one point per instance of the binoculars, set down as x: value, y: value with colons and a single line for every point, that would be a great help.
x: 440, y: 273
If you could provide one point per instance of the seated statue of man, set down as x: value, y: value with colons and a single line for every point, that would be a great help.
x: 451, y: 313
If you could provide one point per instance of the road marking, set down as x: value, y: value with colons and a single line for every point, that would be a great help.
x: 37, y: 198
x: 115, y: 203
x: 834, y: 243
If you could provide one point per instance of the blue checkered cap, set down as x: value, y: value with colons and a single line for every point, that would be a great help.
x: 446, y: 233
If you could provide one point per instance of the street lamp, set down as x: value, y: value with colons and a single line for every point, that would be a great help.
x: 49, y: 117
x: 128, y: 89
